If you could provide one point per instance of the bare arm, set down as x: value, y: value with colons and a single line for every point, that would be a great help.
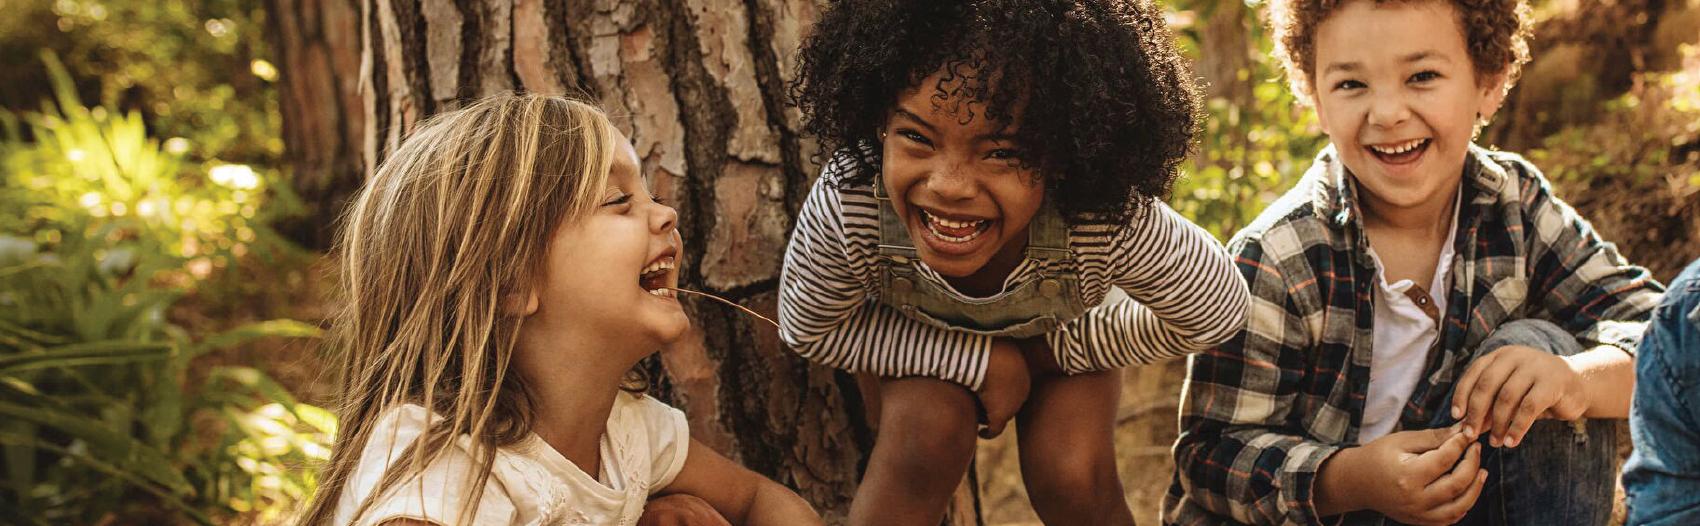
x: 740, y: 495
x: 1605, y: 371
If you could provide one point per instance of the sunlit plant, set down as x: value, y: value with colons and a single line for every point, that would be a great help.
x: 101, y: 414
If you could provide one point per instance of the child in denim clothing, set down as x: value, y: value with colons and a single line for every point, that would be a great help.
x: 1426, y: 314
x: 995, y: 180
x: 1662, y: 477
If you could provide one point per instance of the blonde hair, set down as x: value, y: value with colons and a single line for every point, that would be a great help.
x: 451, y: 226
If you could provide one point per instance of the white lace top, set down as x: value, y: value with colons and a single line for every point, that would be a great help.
x: 643, y: 448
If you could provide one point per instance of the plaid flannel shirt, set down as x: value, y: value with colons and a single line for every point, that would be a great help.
x: 1261, y: 413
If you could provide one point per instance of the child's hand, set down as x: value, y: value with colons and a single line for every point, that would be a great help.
x: 1511, y: 387
x: 1414, y: 477
x: 1006, y: 385
x: 1039, y: 358
x: 679, y: 509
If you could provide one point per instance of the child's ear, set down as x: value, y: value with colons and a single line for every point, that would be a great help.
x: 1490, y: 97
x: 520, y: 304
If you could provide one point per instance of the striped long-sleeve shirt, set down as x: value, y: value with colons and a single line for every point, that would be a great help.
x: 1186, y: 293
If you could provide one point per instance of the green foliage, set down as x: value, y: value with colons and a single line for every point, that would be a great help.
x: 97, y: 163
x: 195, y: 69
x: 104, y: 412
x: 1640, y: 138
x: 1634, y: 171
x: 1255, y: 143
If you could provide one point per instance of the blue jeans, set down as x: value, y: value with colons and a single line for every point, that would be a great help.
x: 1662, y: 476
x: 1560, y: 474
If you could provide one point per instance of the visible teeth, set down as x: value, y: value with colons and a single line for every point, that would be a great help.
x: 1398, y: 148
x: 948, y: 223
x: 654, y: 271
x: 953, y: 224
x: 662, y: 264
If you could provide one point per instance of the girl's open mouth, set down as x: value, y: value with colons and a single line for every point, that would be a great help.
x: 954, y: 231
x: 656, y: 278
x: 1399, y: 153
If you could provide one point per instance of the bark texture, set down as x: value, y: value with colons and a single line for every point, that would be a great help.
x: 317, y: 46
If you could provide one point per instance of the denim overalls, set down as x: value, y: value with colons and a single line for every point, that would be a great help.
x: 1033, y: 306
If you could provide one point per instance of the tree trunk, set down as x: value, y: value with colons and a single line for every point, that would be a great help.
x: 317, y: 46
x: 699, y: 87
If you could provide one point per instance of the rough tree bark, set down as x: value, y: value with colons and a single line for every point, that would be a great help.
x: 317, y: 46
x: 699, y: 87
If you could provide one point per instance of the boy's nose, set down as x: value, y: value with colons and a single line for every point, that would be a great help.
x: 1387, y: 112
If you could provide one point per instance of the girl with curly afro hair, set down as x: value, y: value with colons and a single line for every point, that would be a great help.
x: 987, y: 237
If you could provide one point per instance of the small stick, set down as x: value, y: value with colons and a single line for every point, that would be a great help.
x: 728, y: 302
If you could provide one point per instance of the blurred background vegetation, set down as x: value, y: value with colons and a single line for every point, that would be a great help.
x: 151, y: 368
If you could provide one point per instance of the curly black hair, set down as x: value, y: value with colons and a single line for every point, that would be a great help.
x: 1108, y: 106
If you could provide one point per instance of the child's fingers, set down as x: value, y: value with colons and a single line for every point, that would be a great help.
x: 1537, y: 403
x: 1467, y: 385
x: 1507, y: 403
x: 996, y: 416
x: 1454, y: 511
x: 1457, y: 481
x: 1436, y: 462
x: 1480, y: 398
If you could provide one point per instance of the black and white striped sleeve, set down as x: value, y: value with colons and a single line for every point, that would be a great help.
x: 1188, y: 297
x: 827, y: 315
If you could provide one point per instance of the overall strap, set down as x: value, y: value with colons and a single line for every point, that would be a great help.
x: 1047, y: 235
x: 895, y: 244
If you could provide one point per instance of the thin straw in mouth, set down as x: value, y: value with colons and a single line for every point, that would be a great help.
x: 729, y: 302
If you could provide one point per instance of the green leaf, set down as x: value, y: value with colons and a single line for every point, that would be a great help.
x: 111, y: 447
x: 80, y: 354
x: 253, y: 379
x: 252, y: 331
x: 25, y: 337
x: 139, y: 480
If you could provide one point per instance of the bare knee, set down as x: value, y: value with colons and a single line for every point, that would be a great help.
x: 929, y: 428
x: 1073, y: 483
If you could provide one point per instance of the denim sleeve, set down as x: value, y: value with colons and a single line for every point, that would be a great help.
x: 1662, y: 477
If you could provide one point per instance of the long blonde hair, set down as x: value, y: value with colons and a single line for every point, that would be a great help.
x: 456, y: 221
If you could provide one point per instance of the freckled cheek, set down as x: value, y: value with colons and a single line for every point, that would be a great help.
x: 1019, y: 203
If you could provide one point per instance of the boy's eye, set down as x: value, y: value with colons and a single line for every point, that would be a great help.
x: 1348, y: 85
x: 1004, y: 154
x: 657, y: 199
x: 1425, y: 76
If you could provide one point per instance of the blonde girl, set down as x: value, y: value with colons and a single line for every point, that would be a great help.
x: 503, y: 271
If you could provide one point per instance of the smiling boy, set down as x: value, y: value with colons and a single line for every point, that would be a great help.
x: 1426, y: 313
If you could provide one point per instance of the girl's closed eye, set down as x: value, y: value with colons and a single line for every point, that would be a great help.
x: 620, y: 199
x: 914, y: 136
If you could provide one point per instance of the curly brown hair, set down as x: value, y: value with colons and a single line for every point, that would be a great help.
x: 1108, y: 105
x: 1497, y: 35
